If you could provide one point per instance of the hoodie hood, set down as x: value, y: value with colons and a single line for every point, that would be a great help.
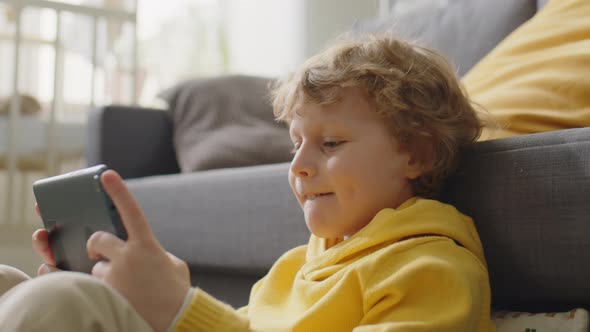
x: 417, y: 217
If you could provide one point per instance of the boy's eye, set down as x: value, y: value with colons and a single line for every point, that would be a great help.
x: 332, y: 144
x: 295, y: 148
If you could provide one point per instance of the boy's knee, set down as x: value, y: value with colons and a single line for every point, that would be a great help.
x: 57, y: 290
x: 70, y: 289
x: 76, y: 293
x: 10, y: 277
x: 86, y: 301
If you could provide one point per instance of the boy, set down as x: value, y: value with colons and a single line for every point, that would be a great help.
x: 376, y: 126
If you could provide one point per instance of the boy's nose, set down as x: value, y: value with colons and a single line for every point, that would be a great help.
x: 303, y: 173
x: 302, y: 165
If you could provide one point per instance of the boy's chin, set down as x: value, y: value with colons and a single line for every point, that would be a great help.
x: 323, y: 231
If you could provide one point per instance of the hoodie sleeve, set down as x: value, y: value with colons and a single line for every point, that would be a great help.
x: 436, y: 285
x: 207, y: 314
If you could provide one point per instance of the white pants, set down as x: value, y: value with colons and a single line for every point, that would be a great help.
x: 63, y: 301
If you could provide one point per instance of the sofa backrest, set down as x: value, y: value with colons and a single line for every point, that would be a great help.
x: 463, y: 30
x: 529, y: 197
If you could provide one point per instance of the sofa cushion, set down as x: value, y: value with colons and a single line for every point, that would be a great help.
x: 538, y: 78
x: 225, y: 122
x: 238, y: 219
x: 442, y: 26
x: 529, y: 198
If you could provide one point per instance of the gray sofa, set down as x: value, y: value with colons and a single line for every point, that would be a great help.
x: 529, y: 196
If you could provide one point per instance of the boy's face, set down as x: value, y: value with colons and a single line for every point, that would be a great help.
x: 347, y: 166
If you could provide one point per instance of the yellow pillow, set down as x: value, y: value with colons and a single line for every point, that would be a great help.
x: 538, y: 78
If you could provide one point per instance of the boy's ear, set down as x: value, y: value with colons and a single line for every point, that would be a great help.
x: 414, y: 168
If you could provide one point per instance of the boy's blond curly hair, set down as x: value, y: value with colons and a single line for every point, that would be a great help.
x: 413, y: 88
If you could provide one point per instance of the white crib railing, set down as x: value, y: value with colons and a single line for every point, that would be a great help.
x: 52, y: 162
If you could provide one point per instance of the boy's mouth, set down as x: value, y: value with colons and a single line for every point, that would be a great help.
x: 311, y: 197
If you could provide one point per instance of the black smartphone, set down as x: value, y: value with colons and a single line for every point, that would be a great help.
x: 73, y: 206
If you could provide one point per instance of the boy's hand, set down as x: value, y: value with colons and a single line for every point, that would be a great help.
x: 151, y: 279
x: 41, y: 246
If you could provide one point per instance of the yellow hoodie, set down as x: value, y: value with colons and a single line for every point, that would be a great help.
x: 419, y: 267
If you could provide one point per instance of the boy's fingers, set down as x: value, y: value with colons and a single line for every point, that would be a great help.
x: 46, y: 268
x: 100, y: 269
x: 37, y: 210
x: 129, y: 210
x: 104, y: 244
x: 41, y: 246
